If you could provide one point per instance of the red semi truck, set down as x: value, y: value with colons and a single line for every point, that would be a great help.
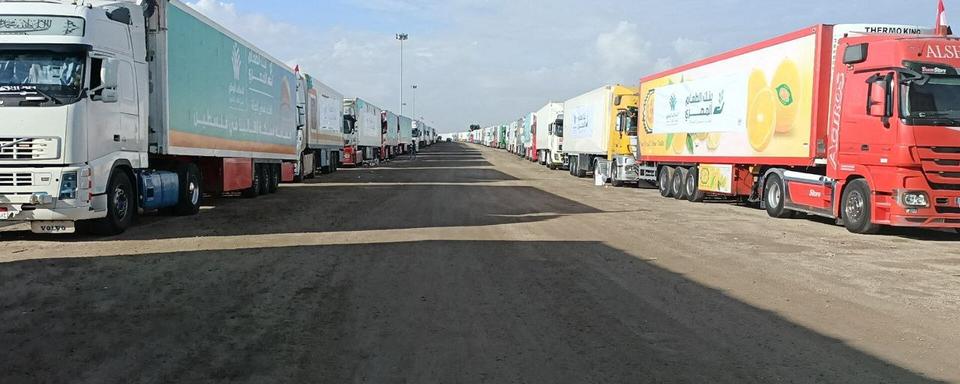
x: 860, y: 123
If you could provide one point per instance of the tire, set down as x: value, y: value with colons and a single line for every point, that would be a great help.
x: 613, y: 175
x: 121, y: 206
x: 774, y: 192
x: 191, y: 190
x: 679, y: 179
x: 581, y: 173
x: 264, y: 179
x: 665, y: 181
x: 692, y: 186
x: 274, y: 180
x: 255, y: 184
x: 572, y: 168
x: 855, y: 209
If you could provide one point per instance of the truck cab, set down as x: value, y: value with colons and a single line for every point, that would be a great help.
x: 623, y: 140
x: 70, y: 75
x: 350, y: 140
x: 893, y: 140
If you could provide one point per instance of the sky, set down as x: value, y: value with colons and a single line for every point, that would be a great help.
x: 488, y: 62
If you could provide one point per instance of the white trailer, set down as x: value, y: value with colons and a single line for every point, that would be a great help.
x: 547, y: 143
x: 322, y: 113
x: 111, y: 107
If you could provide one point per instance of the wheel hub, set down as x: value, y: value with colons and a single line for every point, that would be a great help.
x: 854, y: 206
x: 120, y: 202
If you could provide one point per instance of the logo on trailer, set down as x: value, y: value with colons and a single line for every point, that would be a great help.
x: 236, y: 61
x: 833, y: 150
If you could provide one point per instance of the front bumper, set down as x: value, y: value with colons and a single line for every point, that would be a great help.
x: 33, y: 196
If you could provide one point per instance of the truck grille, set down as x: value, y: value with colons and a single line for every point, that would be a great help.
x: 29, y: 148
x: 941, y: 166
x: 16, y: 180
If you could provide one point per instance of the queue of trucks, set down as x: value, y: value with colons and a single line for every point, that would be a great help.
x: 114, y: 107
x: 856, y: 122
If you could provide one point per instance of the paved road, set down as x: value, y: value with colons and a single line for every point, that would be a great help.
x: 470, y: 265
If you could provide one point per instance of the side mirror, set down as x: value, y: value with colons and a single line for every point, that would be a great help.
x: 301, y: 117
x: 108, y: 74
x: 109, y: 95
x: 880, y: 97
x: 855, y: 54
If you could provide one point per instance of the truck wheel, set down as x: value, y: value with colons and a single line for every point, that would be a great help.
x: 774, y: 197
x: 255, y: 184
x: 572, y: 167
x: 121, y: 206
x: 855, y: 208
x: 265, y: 179
x: 580, y: 172
x: 613, y: 175
x: 274, y: 172
x: 665, y: 181
x: 679, y: 179
x: 188, y: 202
x: 692, y: 186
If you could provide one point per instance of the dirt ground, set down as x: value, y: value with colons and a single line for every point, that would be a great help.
x: 470, y: 265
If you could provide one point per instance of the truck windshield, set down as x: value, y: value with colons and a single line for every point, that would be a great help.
x: 41, y: 77
x: 937, y: 97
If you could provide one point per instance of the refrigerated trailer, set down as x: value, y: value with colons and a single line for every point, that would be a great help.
x: 598, y: 133
x: 549, y: 118
x: 321, y: 109
x: 851, y: 122
x: 110, y: 107
x: 406, y: 133
x: 391, y: 134
x: 363, y: 143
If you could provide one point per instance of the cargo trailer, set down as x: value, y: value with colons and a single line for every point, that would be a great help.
x: 134, y: 106
x: 850, y: 122
x: 547, y: 148
x: 594, y: 137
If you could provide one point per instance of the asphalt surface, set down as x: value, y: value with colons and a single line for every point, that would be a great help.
x: 470, y: 265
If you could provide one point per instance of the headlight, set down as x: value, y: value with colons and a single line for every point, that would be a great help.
x: 68, y: 186
x: 914, y: 199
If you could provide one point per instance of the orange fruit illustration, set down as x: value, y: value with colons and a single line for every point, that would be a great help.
x: 761, y: 119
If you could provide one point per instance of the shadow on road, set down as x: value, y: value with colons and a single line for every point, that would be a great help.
x: 425, y: 312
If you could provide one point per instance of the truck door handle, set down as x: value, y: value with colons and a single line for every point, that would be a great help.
x: 864, y: 147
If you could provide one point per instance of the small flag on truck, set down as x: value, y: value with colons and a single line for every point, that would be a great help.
x: 942, y: 28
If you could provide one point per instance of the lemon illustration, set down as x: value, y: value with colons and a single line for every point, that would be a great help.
x: 756, y: 83
x: 700, y: 136
x: 786, y: 82
x: 679, y: 142
x: 713, y: 141
x: 761, y: 117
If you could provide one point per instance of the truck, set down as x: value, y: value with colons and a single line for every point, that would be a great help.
x: 406, y: 133
x: 529, y: 126
x: 391, y: 135
x: 598, y: 134
x: 856, y: 123
x: 112, y: 107
x: 363, y: 144
x: 321, y: 141
x: 513, y: 144
x: 547, y: 148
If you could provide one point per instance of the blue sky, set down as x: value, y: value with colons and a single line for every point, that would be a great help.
x: 490, y: 61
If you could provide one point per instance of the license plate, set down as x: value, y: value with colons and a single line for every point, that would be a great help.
x: 53, y: 227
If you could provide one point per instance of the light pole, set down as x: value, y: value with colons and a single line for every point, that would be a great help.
x: 402, y: 37
x: 413, y: 107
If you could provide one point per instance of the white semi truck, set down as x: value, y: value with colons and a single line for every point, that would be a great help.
x: 549, y: 121
x: 110, y: 107
x: 321, y: 111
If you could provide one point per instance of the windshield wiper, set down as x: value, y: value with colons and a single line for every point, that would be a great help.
x: 937, y: 118
x: 47, y: 95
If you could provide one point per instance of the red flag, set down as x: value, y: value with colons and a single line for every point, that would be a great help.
x: 297, y: 68
x: 942, y: 27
